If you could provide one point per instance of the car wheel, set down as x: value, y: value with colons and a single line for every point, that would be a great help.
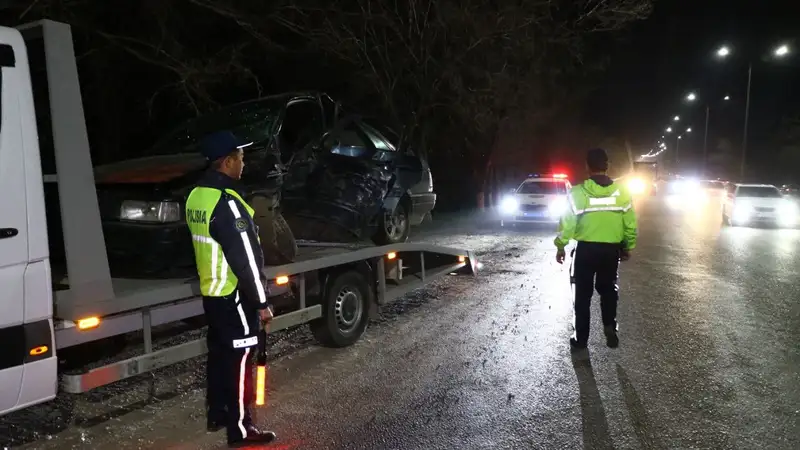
x: 345, y: 311
x: 394, y: 226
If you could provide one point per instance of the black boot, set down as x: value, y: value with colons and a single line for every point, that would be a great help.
x: 254, y: 437
x: 576, y: 346
x: 212, y: 426
x: 612, y: 340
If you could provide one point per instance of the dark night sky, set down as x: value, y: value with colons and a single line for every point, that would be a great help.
x: 672, y: 53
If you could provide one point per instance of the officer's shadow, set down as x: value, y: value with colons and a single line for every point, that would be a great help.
x: 595, y: 423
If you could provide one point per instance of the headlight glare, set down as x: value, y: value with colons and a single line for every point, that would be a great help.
x: 509, y: 205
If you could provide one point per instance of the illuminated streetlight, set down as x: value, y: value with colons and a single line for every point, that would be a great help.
x: 669, y: 129
x: 680, y: 137
x: 727, y: 97
x: 676, y: 118
x: 783, y: 50
x: 780, y: 51
x: 689, y: 130
x: 691, y: 97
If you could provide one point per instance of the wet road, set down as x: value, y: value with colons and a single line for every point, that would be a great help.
x: 709, y: 326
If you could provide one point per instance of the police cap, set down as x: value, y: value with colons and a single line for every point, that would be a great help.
x: 221, y: 144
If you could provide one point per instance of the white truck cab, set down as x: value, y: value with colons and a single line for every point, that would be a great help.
x: 27, y: 362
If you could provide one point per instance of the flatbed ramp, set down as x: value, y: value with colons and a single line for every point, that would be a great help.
x: 140, y: 305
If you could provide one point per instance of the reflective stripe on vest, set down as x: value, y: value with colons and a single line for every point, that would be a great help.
x: 597, y: 204
x: 216, y: 277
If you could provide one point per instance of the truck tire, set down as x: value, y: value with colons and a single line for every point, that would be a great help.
x: 345, y: 311
x: 394, y: 227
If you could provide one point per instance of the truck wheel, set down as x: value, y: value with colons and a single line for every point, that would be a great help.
x: 345, y: 311
x: 394, y: 226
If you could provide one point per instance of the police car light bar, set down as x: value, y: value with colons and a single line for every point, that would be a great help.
x: 555, y: 175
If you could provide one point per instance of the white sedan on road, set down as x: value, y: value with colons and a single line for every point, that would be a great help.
x: 749, y: 204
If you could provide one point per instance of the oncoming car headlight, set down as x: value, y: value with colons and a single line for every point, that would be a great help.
x: 788, y: 212
x: 150, y: 212
x: 742, y: 212
x: 509, y: 205
x: 557, y: 207
x: 636, y: 186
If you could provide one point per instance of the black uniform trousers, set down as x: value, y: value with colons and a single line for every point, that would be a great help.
x: 595, y: 265
x: 232, y: 335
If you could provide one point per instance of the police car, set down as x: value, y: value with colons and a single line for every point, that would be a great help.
x: 539, y: 199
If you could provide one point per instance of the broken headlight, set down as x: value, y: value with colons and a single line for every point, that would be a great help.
x: 150, y: 212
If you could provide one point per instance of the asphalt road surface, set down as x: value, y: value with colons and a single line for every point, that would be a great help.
x: 709, y: 358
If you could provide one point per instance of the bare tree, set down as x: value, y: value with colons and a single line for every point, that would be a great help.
x: 463, y: 67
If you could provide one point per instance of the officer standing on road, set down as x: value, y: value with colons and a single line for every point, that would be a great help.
x: 229, y: 262
x: 602, y: 220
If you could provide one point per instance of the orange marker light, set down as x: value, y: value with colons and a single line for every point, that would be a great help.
x: 261, y: 384
x: 40, y: 350
x: 462, y: 259
x: 88, y: 323
x: 391, y: 255
x: 283, y: 279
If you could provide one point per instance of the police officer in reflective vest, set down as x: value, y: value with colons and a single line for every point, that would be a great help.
x: 602, y: 220
x: 229, y: 262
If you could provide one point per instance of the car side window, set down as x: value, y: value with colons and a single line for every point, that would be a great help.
x: 380, y: 142
x: 350, y: 141
x: 301, y: 124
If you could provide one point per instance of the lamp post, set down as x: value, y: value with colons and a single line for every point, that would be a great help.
x: 691, y: 97
x: 778, y: 52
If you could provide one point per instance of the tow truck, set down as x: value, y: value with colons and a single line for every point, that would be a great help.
x: 46, y: 309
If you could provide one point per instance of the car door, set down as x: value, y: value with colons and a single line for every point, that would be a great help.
x: 406, y: 167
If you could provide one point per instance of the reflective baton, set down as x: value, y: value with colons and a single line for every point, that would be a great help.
x: 261, y: 366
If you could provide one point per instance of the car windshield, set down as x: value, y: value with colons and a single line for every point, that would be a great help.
x: 542, y: 187
x: 251, y: 121
x: 759, y: 192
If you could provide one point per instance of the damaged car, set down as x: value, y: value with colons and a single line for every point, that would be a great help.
x: 324, y: 175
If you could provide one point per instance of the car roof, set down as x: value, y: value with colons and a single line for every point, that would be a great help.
x: 545, y: 179
x: 756, y: 185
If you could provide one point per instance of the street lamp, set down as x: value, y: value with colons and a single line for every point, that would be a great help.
x: 669, y: 130
x: 727, y: 97
x: 689, y: 130
x: 676, y: 118
x: 782, y: 50
x: 691, y: 97
x: 779, y: 52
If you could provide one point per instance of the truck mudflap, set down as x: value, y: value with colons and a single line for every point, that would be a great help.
x: 398, y: 269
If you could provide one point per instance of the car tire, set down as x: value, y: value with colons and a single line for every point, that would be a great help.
x: 394, y: 226
x: 345, y: 311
